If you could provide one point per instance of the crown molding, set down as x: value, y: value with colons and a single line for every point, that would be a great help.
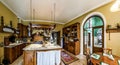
x: 104, y: 3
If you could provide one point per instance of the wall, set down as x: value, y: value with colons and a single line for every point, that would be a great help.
x: 112, y: 18
x: 8, y: 15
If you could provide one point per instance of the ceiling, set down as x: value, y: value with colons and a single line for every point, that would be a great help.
x: 60, y: 11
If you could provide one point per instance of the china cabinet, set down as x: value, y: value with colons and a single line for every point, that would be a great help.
x: 71, y: 36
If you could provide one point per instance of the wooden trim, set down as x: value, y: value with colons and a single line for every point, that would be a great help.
x: 113, y: 30
x: 92, y: 27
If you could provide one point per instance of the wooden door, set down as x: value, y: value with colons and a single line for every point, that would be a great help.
x: 28, y: 57
x: 98, y: 38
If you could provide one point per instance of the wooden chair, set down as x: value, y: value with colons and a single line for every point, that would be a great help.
x: 107, y: 50
x: 88, y: 56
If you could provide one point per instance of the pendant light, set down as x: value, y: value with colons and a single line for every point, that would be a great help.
x: 54, y: 15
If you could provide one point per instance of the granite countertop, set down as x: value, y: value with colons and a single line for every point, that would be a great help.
x: 40, y: 47
x: 13, y: 45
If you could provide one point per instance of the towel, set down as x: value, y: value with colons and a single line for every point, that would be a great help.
x: 57, y: 57
x: 49, y: 57
x: 42, y: 58
x: 39, y: 58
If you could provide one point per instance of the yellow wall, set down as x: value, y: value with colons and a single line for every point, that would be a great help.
x: 8, y: 15
x: 111, y: 18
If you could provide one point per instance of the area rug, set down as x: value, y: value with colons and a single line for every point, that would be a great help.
x: 67, y: 57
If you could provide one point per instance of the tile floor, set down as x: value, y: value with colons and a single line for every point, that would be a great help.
x: 81, y: 61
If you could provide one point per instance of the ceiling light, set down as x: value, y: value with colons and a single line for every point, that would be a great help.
x: 116, y: 6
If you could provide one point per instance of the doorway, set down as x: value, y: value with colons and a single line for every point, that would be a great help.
x: 98, y: 39
x: 93, y: 34
x: 56, y: 37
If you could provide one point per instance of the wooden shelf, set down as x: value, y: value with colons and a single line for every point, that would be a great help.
x: 72, y: 38
x: 6, y: 29
x: 23, y: 30
x: 113, y: 30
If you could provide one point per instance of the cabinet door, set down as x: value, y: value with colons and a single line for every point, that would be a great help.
x: 25, y: 31
x: 28, y: 57
x: 20, y: 27
x: 9, y: 54
x: 77, y: 47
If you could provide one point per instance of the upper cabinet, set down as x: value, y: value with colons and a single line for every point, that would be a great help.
x: 23, y: 30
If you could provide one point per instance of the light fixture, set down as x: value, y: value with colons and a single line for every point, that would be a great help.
x: 53, y: 13
x: 116, y: 6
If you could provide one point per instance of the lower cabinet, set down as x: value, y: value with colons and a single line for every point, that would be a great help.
x: 12, y: 53
x: 72, y: 47
x: 29, y: 57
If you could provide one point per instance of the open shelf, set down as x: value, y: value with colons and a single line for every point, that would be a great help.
x: 113, y: 30
x: 71, y: 36
x: 6, y: 29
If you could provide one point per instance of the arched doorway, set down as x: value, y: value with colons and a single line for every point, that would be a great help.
x: 92, y: 33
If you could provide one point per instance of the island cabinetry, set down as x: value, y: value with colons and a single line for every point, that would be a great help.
x: 35, y: 54
x: 29, y: 57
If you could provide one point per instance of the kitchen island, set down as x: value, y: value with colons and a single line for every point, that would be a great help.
x: 37, y: 54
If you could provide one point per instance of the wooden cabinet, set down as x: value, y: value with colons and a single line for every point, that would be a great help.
x: 29, y: 57
x: 11, y: 53
x: 23, y: 30
x: 20, y: 28
x: 34, y: 56
x: 72, y: 38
